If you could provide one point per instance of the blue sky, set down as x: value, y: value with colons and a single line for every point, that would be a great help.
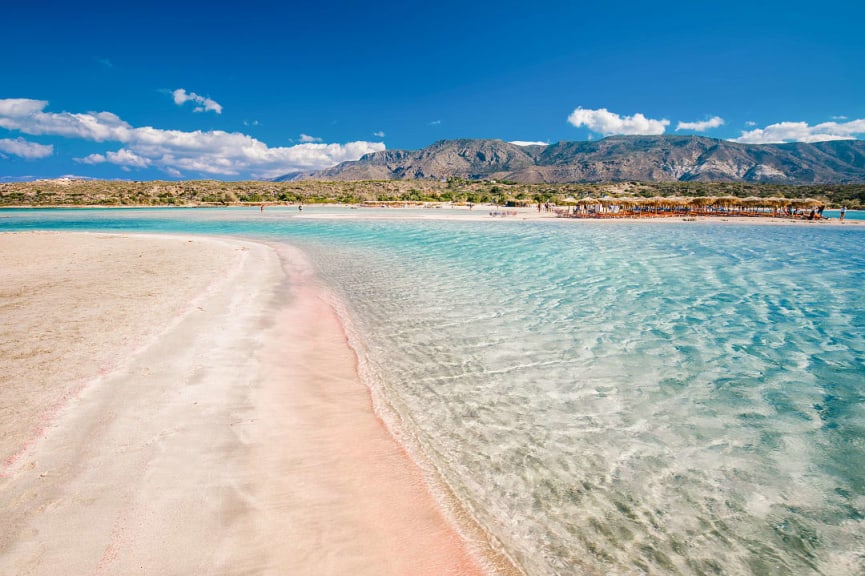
x: 200, y: 90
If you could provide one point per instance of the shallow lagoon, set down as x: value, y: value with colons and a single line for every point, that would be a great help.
x: 615, y: 398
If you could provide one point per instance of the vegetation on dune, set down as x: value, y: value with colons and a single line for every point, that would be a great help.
x: 217, y: 193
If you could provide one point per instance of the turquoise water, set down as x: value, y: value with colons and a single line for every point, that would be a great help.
x: 623, y: 398
x: 851, y: 214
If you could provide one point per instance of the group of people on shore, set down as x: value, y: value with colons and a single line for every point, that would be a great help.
x: 817, y: 213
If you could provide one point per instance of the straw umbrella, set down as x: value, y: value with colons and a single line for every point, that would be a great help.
x: 655, y: 202
x: 629, y: 202
x: 752, y: 202
x: 727, y: 201
x: 776, y: 203
x: 584, y: 203
x: 675, y: 202
x: 806, y: 203
x: 701, y: 202
x: 607, y: 202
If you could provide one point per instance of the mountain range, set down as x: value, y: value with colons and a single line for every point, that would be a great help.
x: 616, y: 158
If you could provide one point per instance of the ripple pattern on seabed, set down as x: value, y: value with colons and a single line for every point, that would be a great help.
x: 609, y: 399
x: 636, y: 400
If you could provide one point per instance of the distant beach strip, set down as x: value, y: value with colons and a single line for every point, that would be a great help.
x: 661, y: 206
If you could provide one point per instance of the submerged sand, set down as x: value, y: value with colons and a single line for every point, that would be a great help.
x: 191, y: 406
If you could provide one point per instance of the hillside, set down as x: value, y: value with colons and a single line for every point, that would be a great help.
x: 617, y: 158
x: 71, y: 192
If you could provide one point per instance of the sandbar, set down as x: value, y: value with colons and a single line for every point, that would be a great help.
x: 188, y: 405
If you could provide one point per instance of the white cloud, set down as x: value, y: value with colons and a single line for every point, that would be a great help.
x: 803, y: 132
x: 750, y: 123
x: 379, y: 134
x: 21, y: 106
x: 203, y: 104
x: 605, y: 122
x: 527, y: 143
x: 306, y: 138
x: 28, y: 117
x: 701, y: 126
x: 24, y: 149
x: 434, y: 123
x: 212, y: 152
x: 839, y: 117
x: 124, y: 157
x: 92, y: 159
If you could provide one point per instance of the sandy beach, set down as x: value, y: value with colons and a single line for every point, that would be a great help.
x: 489, y: 212
x: 177, y: 405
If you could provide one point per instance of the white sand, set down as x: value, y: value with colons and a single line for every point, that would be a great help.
x: 76, y: 306
x: 196, y: 414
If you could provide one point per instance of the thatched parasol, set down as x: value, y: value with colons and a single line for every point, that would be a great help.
x: 727, y: 201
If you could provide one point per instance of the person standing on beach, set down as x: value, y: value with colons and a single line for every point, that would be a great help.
x: 843, y: 212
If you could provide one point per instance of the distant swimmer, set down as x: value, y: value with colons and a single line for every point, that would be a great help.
x: 262, y: 207
x: 300, y: 207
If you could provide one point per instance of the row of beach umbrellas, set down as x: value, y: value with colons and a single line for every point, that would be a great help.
x: 699, y: 202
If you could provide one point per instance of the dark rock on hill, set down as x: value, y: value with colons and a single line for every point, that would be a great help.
x: 617, y: 158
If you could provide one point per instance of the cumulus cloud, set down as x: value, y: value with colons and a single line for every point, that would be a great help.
x: 750, y: 123
x: 92, y: 159
x: 27, y: 116
x: 122, y: 157
x: 202, y: 104
x: 528, y: 143
x: 24, y: 149
x: 434, y: 123
x: 803, y: 132
x: 21, y: 106
x: 701, y: 126
x: 174, y: 151
x: 379, y: 134
x: 306, y: 138
x: 605, y: 122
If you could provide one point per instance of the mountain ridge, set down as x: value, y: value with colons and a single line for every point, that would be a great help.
x: 615, y: 158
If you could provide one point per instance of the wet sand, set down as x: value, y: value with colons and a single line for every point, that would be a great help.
x: 197, y: 414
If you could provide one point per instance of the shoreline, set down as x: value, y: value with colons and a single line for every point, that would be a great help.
x: 458, y: 513
x: 235, y: 436
x: 446, y: 211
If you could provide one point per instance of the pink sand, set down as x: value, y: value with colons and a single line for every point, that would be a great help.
x: 240, y: 441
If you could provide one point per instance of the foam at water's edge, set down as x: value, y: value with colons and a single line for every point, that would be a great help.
x: 487, y: 549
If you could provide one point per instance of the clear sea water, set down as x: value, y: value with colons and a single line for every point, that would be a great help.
x: 606, y: 398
